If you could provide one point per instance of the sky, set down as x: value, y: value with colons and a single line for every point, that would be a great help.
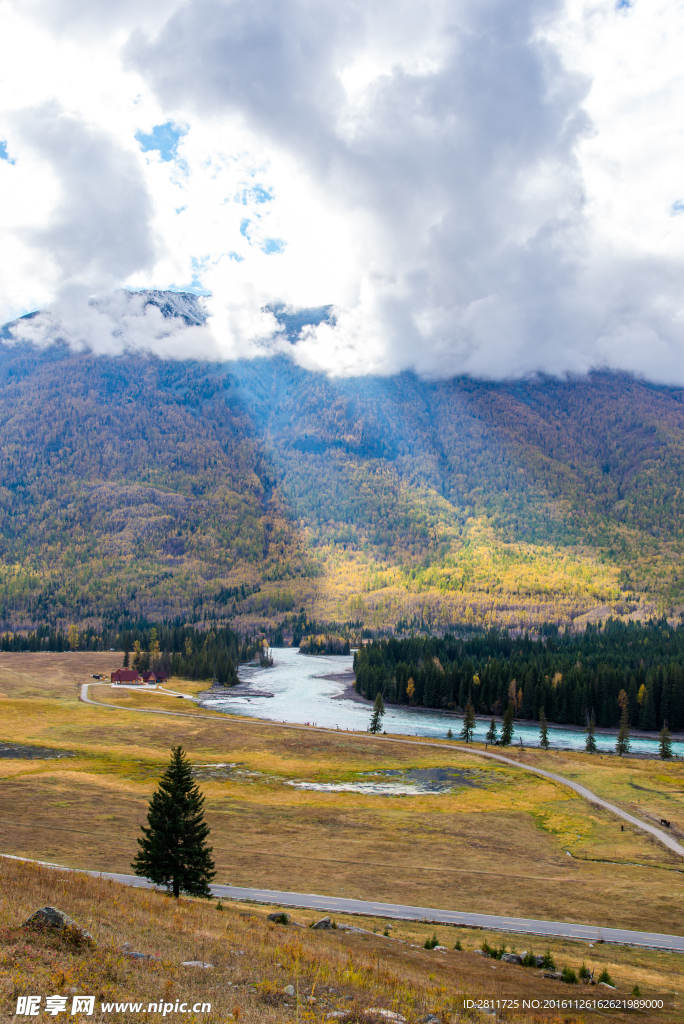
x: 484, y: 187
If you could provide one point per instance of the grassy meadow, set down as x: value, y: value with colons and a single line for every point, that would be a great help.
x: 650, y: 789
x: 499, y: 843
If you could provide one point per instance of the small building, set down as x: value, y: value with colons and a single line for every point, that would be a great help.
x: 127, y: 676
x: 151, y: 678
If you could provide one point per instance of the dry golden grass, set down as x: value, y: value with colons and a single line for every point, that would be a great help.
x: 253, y: 959
x: 653, y: 789
x: 497, y: 848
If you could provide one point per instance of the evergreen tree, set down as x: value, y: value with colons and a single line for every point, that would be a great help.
x: 173, y: 850
x: 665, y: 743
x: 622, y: 745
x: 590, y: 745
x: 633, y: 703
x: 543, y: 731
x: 507, y: 729
x: 126, y: 660
x: 468, y: 722
x: 491, y: 732
x: 378, y: 712
x: 650, y: 723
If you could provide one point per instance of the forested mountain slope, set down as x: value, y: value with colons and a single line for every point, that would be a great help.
x: 132, y: 485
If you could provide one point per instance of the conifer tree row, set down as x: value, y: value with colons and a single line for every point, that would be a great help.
x: 572, y: 678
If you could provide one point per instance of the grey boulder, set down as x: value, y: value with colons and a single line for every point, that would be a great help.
x: 324, y: 923
x: 51, y: 917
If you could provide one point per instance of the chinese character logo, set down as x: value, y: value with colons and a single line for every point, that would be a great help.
x: 28, y: 1006
x: 55, y: 1004
x: 83, y: 1004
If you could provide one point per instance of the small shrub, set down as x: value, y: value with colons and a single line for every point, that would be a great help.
x: 569, y: 976
x: 269, y: 994
x: 529, y: 960
x: 431, y: 943
x: 74, y: 937
x: 458, y: 945
x: 281, y: 918
x: 219, y: 905
x: 605, y: 976
x: 584, y: 972
x: 492, y: 950
x: 548, y: 963
x: 636, y: 991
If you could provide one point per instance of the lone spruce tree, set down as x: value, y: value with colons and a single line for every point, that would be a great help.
x: 665, y: 743
x: 507, y: 728
x: 173, y: 850
x: 590, y: 745
x: 622, y: 744
x: 491, y: 732
x: 378, y: 712
x: 468, y: 722
x: 543, y: 731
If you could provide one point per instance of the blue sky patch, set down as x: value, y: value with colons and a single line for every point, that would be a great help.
x: 243, y: 227
x: 198, y: 267
x: 260, y: 194
x: 677, y: 208
x: 163, y: 138
x: 4, y: 154
x: 622, y: 4
x: 272, y: 245
x: 256, y: 194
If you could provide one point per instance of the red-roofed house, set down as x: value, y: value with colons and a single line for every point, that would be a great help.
x: 126, y: 675
x: 154, y: 677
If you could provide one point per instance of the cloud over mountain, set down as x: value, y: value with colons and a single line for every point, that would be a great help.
x: 458, y: 179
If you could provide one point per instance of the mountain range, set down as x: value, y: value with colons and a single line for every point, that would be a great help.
x: 135, y: 486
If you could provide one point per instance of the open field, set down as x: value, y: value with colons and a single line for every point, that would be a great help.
x: 651, y: 789
x: 253, y: 960
x: 497, y: 844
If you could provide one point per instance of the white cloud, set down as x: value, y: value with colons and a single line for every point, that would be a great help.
x: 476, y: 186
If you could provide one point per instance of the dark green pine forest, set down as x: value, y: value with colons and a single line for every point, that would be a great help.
x: 571, y: 677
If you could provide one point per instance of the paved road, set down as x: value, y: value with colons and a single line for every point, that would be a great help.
x: 332, y: 904
x: 657, y: 833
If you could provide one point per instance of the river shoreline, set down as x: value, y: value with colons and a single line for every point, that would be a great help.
x: 349, y: 693
x: 319, y: 689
